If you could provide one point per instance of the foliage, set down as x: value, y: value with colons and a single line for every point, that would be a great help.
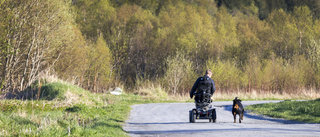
x: 94, y: 17
x: 99, y: 65
x: 102, y: 44
x: 32, y: 39
x: 74, y: 60
x: 304, y: 111
x: 226, y: 75
x: 179, y: 70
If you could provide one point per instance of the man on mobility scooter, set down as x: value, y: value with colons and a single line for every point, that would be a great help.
x: 203, y: 90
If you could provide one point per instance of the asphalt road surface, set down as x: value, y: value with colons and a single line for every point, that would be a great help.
x: 172, y: 120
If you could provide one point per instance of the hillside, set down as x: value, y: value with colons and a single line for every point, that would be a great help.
x: 257, y: 46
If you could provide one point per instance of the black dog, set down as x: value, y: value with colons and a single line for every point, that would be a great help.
x: 237, y: 108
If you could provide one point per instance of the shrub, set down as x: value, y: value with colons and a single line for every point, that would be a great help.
x: 226, y: 74
x: 179, y: 71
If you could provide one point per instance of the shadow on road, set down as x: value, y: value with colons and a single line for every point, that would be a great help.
x: 263, y: 117
x: 218, y: 130
x: 165, y: 123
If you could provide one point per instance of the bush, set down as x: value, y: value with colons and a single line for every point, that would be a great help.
x: 178, y: 73
x: 281, y: 75
x: 226, y: 75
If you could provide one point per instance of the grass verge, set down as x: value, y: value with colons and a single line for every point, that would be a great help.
x: 303, y: 111
x: 67, y: 110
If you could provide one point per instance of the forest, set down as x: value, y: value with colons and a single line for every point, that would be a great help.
x: 250, y: 45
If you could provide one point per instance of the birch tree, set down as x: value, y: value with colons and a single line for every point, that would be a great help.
x: 178, y: 69
x: 34, y: 39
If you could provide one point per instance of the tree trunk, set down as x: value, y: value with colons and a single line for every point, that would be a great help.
x: 95, y: 81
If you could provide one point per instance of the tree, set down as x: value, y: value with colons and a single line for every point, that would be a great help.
x: 283, y: 34
x: 98, y: 73
x: 178, y: 69
x: 73, y: 61
x: 303, y: 20
x: 250, y: 32
x: 226, y: 75
x: 268, y: 6
x: 225, y: 27
x: 34, y: 39
x: 313, y: 55
x: 94, y: 16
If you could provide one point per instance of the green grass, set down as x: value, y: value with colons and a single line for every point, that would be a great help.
x: 67, y: 110
x: 303, y: 111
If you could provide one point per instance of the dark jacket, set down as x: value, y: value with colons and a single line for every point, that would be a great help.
x: 195, y: 86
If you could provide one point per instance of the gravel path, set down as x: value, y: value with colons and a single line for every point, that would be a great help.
x: 172, y: 119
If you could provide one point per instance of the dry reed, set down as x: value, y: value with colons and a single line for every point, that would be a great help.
x: 254, y: 95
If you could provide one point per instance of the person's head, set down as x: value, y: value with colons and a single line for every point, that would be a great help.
x: 209, y: 72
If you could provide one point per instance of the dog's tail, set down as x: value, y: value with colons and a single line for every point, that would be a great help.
x: 242, y: 115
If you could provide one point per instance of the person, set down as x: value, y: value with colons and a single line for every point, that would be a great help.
x: 203, y: 85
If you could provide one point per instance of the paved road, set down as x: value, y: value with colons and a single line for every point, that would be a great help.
x: 172, y: 120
